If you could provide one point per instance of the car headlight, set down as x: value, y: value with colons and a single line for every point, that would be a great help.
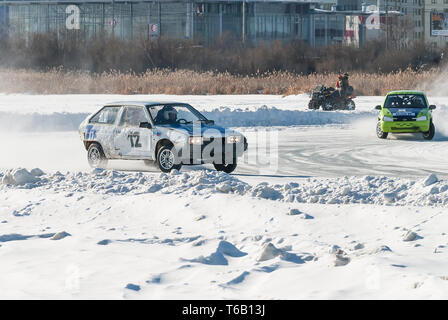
x: 388, y: 119
x: 233, y: 139
x: 196, y: 140
x: 422, y: 118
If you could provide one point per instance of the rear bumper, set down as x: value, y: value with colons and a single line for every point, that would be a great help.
x: 405, y: 126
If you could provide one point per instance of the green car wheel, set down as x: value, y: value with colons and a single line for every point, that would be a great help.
x: 430, y: 134
x: 380, y: 134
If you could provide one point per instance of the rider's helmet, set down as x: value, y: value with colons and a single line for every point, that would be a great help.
x: 169, y: 114
x: 346, y: 75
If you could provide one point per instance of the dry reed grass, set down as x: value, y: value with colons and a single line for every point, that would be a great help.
x: 58, y: 81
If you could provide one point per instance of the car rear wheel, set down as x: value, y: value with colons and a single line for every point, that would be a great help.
x: 167, y: 159
x: 227, y: 168
x: 96, y: 157
x: 430, y: 134
x: 380, y: 133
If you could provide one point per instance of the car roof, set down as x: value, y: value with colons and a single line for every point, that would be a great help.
x: 406, y: 92
x: 141, y: 103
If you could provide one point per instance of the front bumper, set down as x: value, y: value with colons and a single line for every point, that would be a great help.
x: 405, y: 126
x: 213, y: 151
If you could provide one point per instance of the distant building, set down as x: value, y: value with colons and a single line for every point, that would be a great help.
x: 348, y: 5
x: 436, y: 23
x: 317, y: 22
x: 412, y: 26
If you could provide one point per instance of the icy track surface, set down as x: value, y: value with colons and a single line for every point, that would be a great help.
x: 40, y: 131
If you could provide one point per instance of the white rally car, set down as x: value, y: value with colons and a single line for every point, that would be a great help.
x: 167, y: 134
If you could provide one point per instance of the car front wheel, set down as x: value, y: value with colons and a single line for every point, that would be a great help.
x: 380, y: 133
x: 167, y: 159
x: 430, y: 134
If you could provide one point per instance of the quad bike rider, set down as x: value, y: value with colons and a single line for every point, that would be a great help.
x: 330, y: 99
x: 342, y: 84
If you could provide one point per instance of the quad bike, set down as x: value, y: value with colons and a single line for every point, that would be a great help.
x: 330, y: 99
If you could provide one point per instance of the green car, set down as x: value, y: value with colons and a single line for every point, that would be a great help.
x: 405, y: 112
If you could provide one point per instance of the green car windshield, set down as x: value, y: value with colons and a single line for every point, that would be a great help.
x: 405, y: 101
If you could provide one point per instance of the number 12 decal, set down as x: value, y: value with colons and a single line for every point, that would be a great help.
x: 135, y: 140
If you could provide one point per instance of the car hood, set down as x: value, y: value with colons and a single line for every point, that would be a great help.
x: 205, y: 129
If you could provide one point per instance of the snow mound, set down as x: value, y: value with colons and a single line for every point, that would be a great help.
x: 264, y: 191
x: 369, y: 190
x: 239, y: 279
x: 358, y: 246
x: 361, y: 190
x: 133, y: 287
x: 411, y: 236
x: 229, y: 249
x: 218, y: 257
x: 269, y: 252
x: 430, y: 180
x: 60, y: 235
x: 294, y: 212
x: 114, y: 182
x: 297, y: 212
x: 341, y: 258
x: 381, y: 249
x: 19, y: 177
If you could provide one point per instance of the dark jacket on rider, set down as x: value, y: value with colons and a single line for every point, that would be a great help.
x: 343, y: 84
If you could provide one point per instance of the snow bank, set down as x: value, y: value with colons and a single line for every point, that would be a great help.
x: 21, y: 176
x: 37, y: 122
x: 271, y: 116
x: 345, y: 190
x: 224, y: 116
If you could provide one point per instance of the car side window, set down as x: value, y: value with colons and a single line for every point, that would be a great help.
x: 106, y: 116
x: 132, y: 117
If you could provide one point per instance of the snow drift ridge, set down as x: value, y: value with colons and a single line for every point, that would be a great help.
x: 263, y: 116
x: 365, y: 190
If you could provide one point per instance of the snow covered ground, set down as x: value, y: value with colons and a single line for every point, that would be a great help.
x: 333, y: 212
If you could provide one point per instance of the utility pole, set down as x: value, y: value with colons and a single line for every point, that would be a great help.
x: 113, y: 18
x: 244, y: 22
x: 387, y: 26
x: 423, y: 21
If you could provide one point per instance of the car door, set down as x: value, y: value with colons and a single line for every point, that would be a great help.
x: 131, y: 141
x: 101, y: 127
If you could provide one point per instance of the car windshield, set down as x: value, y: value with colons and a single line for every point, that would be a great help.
x: 175, y: 114
x: 405, y: 101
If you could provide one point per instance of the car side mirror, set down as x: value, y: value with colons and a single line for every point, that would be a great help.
x: 378, y: 107
x: 432, y: 107
x: 146, y: 125
x: 211, y: 122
